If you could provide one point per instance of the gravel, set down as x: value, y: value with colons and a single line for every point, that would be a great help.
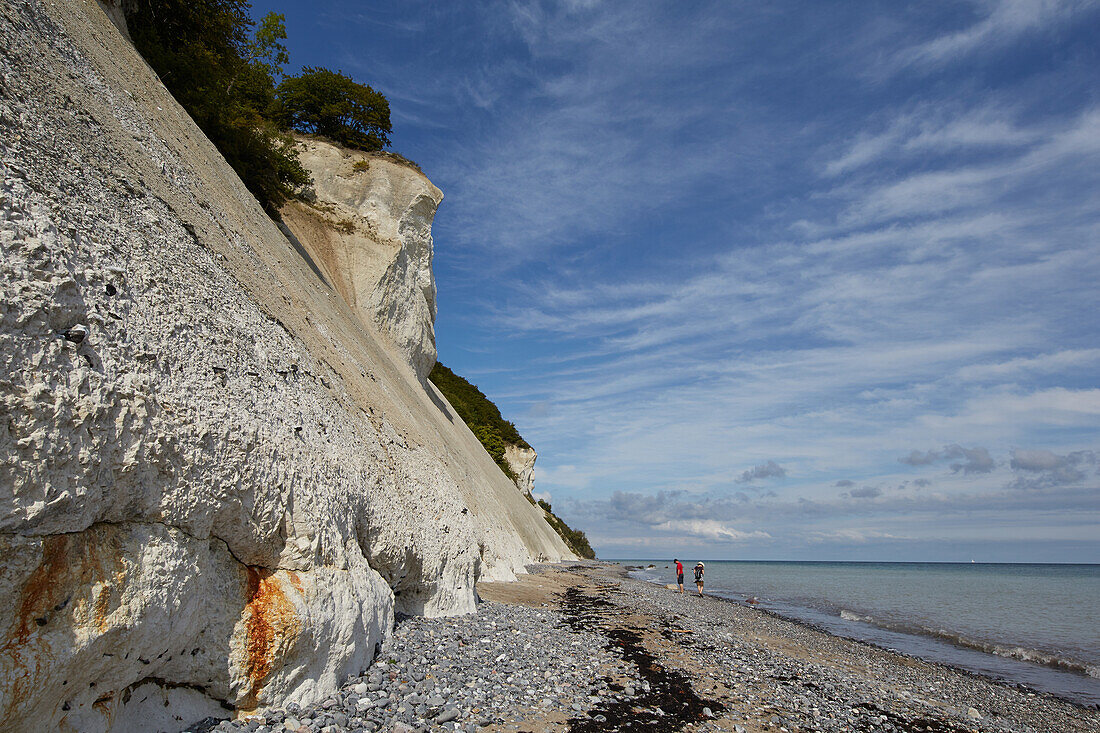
x: 462, y: 673
x: 619, y: 654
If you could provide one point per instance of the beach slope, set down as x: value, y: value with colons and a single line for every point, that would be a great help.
x: 582, y: 648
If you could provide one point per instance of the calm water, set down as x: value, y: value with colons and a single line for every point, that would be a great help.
x: 1034, y: 624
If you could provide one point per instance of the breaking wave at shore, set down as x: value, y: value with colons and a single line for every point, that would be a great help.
x: 1019, y: 653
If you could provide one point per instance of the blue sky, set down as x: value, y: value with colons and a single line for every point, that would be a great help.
x: 785, y: 280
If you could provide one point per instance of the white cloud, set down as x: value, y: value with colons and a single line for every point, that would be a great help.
x: 567, y: 476
x: 966, y: 185
x: 934, y: 129
x: 1002, y: 22
x: 543, y: 496
x: 850, y: 536
x: 1036, y: 460
x: 1057, y: 406
x: 973, y: 460
x: 1043, y: 468
x: 877, y: 277
x: 1054, y: 363
x: 710, y: 529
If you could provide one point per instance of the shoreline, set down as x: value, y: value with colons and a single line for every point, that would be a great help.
x: 811, y: 625
x: 581, y: 647
x: 1072, y: 673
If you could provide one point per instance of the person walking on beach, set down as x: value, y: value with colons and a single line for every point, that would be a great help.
x: 679, y: 574
x: 699, y: 577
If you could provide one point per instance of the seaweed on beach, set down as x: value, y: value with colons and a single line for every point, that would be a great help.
x: 669, y: 703
x: 672, y: 629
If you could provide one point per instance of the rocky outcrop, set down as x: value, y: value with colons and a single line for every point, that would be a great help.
x: 521, y: 460
x: 368, y: 228
x: 218, y: 482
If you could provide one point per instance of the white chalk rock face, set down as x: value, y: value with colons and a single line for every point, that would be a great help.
x: 217, y: 482
x: 368, y: 229
x: 522, y: 462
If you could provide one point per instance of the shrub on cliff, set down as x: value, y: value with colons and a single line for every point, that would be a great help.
x: 223, y: 72
x: 494, y: 432
x: 574, y: 538
x: 478, y: 412
x: 328, y: 103
x: 494, y: 446
x: 473, y: 406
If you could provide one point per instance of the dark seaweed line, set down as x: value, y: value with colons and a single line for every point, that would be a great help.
x: 669, y: 691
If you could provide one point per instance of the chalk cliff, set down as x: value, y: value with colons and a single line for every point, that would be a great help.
x: 522, y: 462
x: 367, y: 227
x: 218, y: 479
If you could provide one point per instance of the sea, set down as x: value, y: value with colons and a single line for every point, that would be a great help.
x: 1033, y: 624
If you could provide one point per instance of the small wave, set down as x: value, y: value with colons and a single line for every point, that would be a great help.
x: 852, y: 616
x: 1019, y: 653
x: 1022, y: 654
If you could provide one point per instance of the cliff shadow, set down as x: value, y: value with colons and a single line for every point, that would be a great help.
x: 438, y: 401
x: 302, y: 252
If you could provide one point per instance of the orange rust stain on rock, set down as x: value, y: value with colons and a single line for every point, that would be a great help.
x: 101, y: 607
x: 57, y: 588
x: 44, y: 585
x: 271, y: 625
x: 294, y: 580
x: 103, y: 706
x: 24, y: 652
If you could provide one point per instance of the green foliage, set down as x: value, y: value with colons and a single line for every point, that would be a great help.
x: 472, y: 405
x: 495, y: 433
x: 266, y: 48
x: 266, y: 160
x: 477, y: 411
x: 575, y: 539
x: 223, y: 74
x: 494, y: 446
x: 327, y: 103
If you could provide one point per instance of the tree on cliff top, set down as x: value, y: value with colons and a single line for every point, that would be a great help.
x: 223, y: 74
x: 222, y: 68
x: 331, y: 104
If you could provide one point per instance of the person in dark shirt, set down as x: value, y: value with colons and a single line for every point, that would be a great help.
x: 699, y: 577
x: 679, y: 574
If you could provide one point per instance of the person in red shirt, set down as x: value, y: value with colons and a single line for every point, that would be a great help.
x: 679, y: 574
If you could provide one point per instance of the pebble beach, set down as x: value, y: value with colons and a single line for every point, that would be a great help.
x: 582, y: 647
